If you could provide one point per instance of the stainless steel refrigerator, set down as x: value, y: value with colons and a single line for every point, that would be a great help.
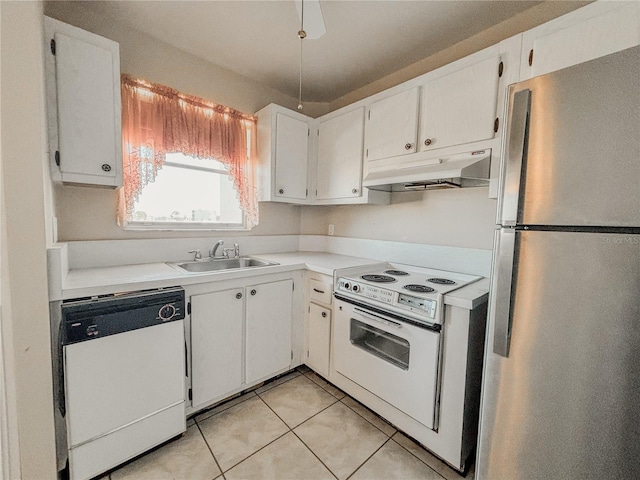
x: 561, y: 384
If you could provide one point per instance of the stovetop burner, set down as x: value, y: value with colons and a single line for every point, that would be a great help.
x: 397, y: 273
x: 441, y: 281
x: 418, y: 288
x: 377, y: 278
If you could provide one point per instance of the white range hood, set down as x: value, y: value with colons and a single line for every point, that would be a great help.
x: 470, y: 169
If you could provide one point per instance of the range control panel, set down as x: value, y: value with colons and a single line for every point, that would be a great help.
x: 428, y: 306
x: 374, y: 293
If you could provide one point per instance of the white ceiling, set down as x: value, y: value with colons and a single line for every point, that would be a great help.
x: 365, y: 40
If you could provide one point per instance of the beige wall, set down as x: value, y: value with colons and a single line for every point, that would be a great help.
x: 457, y: 218
x: 89, y: 213
x: 25, y: 309
x: 463, y: 218
x: 526, y: 20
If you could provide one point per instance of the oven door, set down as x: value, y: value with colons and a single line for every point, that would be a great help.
x: 394, y: 360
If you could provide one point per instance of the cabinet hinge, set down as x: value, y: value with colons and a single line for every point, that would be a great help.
x: 308, y: 132
x: 190, y: 394
x: 309, y: 309
x: 307, y: 353
x: 531, y: 57
x: 306, y: 192
x: 57, y: 157
x: 500, y: 69
x: 189, y: 308
x: 53, y: 46
x: 293, y: 286
x: 367, y: 153
x: 369, y: 115
x: 291, y: 354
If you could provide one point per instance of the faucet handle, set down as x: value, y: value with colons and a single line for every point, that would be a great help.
x: 197, y: 254
x: 236, y: 250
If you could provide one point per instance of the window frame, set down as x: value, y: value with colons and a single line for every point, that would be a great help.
x: 190, y: 226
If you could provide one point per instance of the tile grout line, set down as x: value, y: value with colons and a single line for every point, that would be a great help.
x: 368, y: 458
x: 410, y: 452
x: 361, y: 416
x: 314, y: 453
x: 296, y: 435
x: 211, y: 451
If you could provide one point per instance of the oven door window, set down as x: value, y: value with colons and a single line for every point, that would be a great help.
x: 384, y: 345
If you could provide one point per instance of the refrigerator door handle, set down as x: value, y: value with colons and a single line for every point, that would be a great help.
x: 503, y: 291
x: 517, y: 132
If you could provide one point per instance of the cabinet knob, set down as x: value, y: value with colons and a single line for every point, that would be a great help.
x: 238, y: 296
x: 253, y: 292
x: 106, y: 167
x: 324, y: 314
x: 428, y: 142
x: 281, y: 191
x: 407, y: 146
x: 354, y: 191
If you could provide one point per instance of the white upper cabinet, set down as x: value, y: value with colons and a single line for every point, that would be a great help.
x: 339, y: 164
x: 392, y: 125
x: 83, y: 106
x: 598, y: 29
x: 460, y: 107
x: 283, y: 155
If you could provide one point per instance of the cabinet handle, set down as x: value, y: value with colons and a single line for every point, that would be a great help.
x: 407, y: 146
x: 428, y: 142
x: 106, y: 167
x: 354, y: 191
x: 281, y: 191
x: 238, y: 296
x: 318, y: 291
x: 253, y: 292
x: 324, y: 314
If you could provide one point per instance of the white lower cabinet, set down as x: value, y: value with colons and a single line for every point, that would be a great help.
x: 217, y: 324
x: 268, y: 329
x: 239, y: 337
x: 318, y: 338
x: 318, y: 323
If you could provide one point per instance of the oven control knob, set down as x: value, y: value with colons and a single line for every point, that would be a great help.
x: 166, y: 312
x: 356, y: 288
x: 347, y: 285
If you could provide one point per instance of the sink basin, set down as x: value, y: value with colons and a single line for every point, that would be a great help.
x: 222, y: 264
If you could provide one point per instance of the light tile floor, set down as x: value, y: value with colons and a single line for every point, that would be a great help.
x: 296, y: 427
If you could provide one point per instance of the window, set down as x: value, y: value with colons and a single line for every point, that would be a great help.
x: 187, y: 163
x: 188, y: 193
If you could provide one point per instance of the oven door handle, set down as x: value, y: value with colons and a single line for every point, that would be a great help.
x: 377, y: 318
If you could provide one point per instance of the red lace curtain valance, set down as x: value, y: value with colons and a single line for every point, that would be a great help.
x: 157, y: 120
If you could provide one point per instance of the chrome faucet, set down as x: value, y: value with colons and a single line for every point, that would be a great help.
x: 212, y: 252
x: 235, y: 250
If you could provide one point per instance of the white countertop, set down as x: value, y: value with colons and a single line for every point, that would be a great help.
x: 88, y: 282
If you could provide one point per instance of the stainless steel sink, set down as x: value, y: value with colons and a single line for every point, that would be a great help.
x: 222, y: 264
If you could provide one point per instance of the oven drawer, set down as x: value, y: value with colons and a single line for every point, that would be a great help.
x: 395, y: 361
x: 320, y: 292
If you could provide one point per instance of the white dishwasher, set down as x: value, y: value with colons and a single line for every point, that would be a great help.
x: 123, y: 371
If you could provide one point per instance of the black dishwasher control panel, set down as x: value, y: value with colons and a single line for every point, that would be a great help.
x: 91, y: 318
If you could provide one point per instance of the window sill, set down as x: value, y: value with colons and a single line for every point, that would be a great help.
x: 177, y: 227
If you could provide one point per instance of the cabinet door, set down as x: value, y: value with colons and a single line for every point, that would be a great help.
x: 340, y: 144
x: 460, y: 107
x: 83, y: 90
x: 292, y: 141
x: 392, y: 126
x: 216, y: 344
x: 318, y: 338
x: 598, y: 29
x: 268, y: 340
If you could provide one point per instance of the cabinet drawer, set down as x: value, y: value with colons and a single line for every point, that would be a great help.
x: 319, y: 291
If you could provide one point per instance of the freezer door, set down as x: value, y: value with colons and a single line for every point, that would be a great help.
x: 565, y: 402
x: 581, y: 160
